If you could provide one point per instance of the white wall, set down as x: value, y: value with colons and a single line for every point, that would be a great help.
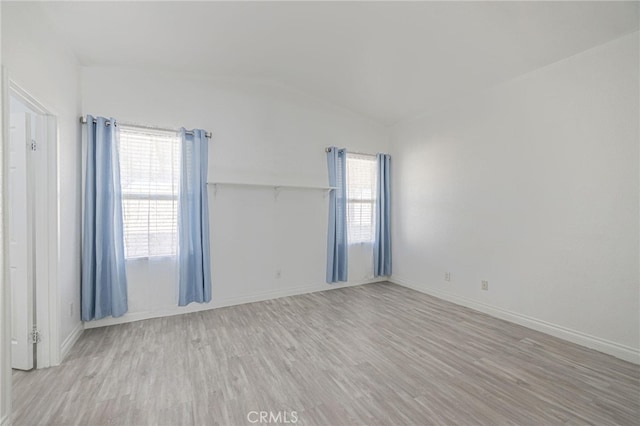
x: 261, y: 133
x: 50, y: 73
x: 533, y: 186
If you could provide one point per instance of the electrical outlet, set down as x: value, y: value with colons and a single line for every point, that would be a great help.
x: 485, y: 285
x: 278, y: 273
x: 447, y: 276
x: 71, y: 309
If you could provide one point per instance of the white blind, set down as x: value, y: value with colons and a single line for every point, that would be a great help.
x: 361, y: 196
x: 149, y: 174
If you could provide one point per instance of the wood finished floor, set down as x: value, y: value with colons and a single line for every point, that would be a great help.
x: 373, y: 354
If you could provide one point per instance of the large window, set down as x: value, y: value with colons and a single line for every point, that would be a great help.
x: 149, y: 174
x: 361, y: 197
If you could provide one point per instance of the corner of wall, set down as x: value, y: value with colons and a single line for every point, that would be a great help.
x: 71, y: 340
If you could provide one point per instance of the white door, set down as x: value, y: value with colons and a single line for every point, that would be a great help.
x: 21, y: 257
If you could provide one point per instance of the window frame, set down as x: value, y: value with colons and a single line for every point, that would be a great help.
x: 159, y: 196
x: 361, y: 201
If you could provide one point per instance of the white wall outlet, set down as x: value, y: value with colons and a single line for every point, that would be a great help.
x: 278, y: 273
x: 71, y: 309
x: 485, y: 285
x: 447, y: 276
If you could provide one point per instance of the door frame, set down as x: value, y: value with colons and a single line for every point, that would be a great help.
x: 5, y: 287
x: 48, y: 350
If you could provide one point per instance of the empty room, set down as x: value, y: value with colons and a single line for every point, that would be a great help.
x: 320, y: 213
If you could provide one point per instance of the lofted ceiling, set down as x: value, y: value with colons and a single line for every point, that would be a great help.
x: 386, y: 60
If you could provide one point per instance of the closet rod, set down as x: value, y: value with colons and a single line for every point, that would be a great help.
x: 83, y: 120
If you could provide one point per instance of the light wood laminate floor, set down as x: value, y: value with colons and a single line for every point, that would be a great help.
x: 373, y: 354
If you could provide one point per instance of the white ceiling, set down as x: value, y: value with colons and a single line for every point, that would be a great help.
x: 387, y: 60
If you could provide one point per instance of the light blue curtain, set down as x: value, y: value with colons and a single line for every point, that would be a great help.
x: 337, y: 238
x: 382, y: 242
x: 194, y: 259
x: 104, y: 283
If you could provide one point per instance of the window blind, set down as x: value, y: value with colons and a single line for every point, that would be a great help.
x: 149, y: 175
x: 361, y: 196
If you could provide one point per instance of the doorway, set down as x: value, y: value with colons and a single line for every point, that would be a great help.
x: 29, y: 148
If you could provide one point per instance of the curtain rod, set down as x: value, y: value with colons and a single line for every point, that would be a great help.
x: 83, y: 120
x: 327, y: 149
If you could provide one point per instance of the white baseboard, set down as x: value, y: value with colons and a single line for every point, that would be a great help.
x: 71, y: 340
x: 618, y: 350
x: 221, y: 303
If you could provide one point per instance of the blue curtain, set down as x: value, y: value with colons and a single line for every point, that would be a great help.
x: 194, y: 259
x: 337, y: 238
x: 104, y: 283
x: 382, y: 242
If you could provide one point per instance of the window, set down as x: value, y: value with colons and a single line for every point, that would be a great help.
x: 361, y: 197
x: 149, y: 175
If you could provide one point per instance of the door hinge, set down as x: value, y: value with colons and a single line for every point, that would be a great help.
x: 35, y: 335
x: 34, y: 145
